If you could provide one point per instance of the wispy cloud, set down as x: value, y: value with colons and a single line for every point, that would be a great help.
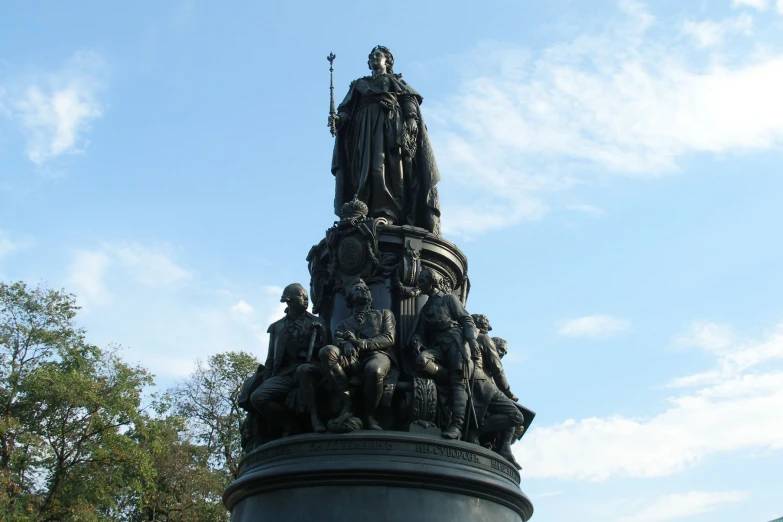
x: 591, y: 210
x: 150, y: 266
x: 86, y: 278
x: 728, y: 410
x: 624, y: 101
x: 761, y: 5
x: 713, y: 337
x: 709, y: 33
x: 88, y: 270
x: 55, y: 110
x: 8, y: 246
x: 146, y: 298
x: 680, y: 505
x: 735, y: 357
x: 593, y: 326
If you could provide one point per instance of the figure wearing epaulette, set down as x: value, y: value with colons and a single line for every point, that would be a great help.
x: 444, y: 341
x: 288, y: 365
x: 493, y: 401
x: 363, y: 346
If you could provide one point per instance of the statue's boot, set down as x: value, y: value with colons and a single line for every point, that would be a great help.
x: 370, y: 423
x: 506, y: 437
x: 436, y: 371
x: 373, y: 391
x: 279, y: 415
x: 330, y: 357
x: 307, y: 389
x: 459, y: 401
x: 318, y: 426
x: 497, y: 422
x: 347, y: 406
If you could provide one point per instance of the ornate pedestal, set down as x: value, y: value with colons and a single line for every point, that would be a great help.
x: 375, y: 476
x: 359, y: 364
x: 389, y: 259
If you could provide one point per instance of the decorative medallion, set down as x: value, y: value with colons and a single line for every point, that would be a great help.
x: 351, y: 255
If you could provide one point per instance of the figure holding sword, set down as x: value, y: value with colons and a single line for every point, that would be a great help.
x: 444, y: 344
x: 289, y: 366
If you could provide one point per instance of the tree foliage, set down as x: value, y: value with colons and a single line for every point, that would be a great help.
x: 208, y: 399
x: 77, y: 441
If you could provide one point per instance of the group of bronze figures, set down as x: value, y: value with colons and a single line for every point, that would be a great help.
x: 351, y: 370
x: 338, y: 382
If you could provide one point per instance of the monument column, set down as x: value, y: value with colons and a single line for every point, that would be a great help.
x: 388, y: 366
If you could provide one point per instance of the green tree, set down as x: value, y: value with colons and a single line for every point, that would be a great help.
x: 69, y: 413
x: 76, y: 443
x: 181, y: 487
x: 207, y: 399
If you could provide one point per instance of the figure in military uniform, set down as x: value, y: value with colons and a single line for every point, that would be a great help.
x: 287, y: 366
x: 494, y: 404
x: 363, y: 345
x: 501, y: 345
x: 444, y: 341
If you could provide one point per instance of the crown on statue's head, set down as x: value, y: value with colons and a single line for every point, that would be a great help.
x: 354, y: 209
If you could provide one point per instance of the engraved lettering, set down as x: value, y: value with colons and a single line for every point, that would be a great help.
x: 445, y: 451
x: 342, y: 445
x: 503, y: 468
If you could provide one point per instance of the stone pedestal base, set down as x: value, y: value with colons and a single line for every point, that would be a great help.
x: 375, y: 476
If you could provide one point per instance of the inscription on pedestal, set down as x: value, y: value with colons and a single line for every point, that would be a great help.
x: 504, y: 468
x: 341, y: 445
x: 263, y: 455
x: 443, y: 451
x: 301, y: 449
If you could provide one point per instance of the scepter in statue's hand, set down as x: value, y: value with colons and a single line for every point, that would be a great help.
x: 332, y: 112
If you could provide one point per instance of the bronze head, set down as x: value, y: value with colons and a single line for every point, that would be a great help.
x: 387, y: 55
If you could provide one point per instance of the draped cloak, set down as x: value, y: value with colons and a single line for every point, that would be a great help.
x: 376, y: 159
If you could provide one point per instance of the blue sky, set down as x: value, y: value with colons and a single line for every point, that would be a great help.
x: 611, y: 169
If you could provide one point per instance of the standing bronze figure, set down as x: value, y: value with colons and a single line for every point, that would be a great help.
x: 444, y: 342
x: 494, y: 402
x: 382, y: 153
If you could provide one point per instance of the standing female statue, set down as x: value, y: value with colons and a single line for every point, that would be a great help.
x: 382, y: 153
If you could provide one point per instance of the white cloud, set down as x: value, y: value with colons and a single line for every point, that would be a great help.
x: 730, y: 412
x: 625, y: 101
x: 89, y: 270
x: 547, y: 494
x: 150, y: 267
x: 591, y: 210
x: 86, y: 278
x: 761, y: 5
x: 242, y: 308
x: 780, y: 6
x: 6, y: 245
x: 710, y: 34
x: 167, y: 315
x: 706, y: 34
x: 55, y: 110
x: 735, y: 357
x: 709, y: 336
x: 681, y: 505
x: 593, y: 326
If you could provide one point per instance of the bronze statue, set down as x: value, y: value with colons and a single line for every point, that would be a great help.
x: 444, y: 342
x: 291, y: 341
x: 502, y: 348
x: 382, y: 153
x: 495, y: 405
x: 362, y: 346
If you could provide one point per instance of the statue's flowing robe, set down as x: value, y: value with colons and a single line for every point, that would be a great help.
x: 376, y: 159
